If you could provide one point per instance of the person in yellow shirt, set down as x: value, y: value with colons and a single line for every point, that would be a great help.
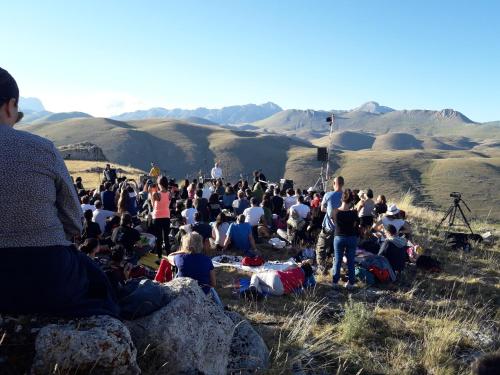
x: 155, y: 171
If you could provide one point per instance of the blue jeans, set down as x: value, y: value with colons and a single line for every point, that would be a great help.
x: 344, y: 245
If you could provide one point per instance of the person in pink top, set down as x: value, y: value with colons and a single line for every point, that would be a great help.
x: 161, y: 215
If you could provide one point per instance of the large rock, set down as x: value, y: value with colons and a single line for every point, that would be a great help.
x: 101, y: 345
x: 82, y: 151
x: 249, y: 352
x: 191, y: 335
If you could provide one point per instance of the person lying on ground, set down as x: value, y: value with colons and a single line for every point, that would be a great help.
x: 239, y: 236
x: 394, y: 249
x: 278, y: 283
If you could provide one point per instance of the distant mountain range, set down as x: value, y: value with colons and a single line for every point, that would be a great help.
x: 236, y: 114
x: 370, y: 117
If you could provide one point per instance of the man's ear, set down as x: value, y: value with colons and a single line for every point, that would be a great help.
x: 10, y: 107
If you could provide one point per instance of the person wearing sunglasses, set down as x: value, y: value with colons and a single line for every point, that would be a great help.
x: 41, y: 271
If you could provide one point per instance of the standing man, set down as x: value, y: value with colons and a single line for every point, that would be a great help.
x: 330, y: 203
x: 216, y: 172
x: 41, y: 271
x: 155, y: 171
x: 109, y: 174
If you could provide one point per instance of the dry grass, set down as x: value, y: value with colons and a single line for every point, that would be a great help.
x: 93, y: 179
x: 425, y: 324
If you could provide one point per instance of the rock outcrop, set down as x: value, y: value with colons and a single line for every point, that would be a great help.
x: 98, y: 344
x: 82, y: 151
x: 249, y: 352
x: 190, y: 335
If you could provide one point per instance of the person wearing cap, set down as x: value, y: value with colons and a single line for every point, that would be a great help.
x: 41, y: 271
x: 392, y: 217
x: 155, y: 171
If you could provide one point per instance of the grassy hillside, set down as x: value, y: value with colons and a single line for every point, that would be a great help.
x: 178, y: 147
x: 91, y: 179
x: 430, y: 175
x: 181, y: 149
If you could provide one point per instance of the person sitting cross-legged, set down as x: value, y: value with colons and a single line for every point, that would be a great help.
x: 191, y: 262
x: 394, y: 249
x: 239, y: 236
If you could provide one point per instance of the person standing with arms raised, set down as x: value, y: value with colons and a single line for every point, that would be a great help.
x: 41, y: 271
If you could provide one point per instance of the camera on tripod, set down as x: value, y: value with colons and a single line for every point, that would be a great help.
x: 456, y: 195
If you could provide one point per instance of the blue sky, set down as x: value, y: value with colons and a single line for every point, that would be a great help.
x: 107, y: 57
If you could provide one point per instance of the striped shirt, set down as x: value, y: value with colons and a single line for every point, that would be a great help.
x: 38, y: 202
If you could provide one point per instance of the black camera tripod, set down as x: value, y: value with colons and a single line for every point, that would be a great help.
x: 452, y: 213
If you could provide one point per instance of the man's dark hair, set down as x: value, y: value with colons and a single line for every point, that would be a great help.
x: 108, y: 185
x: 254, y: 201
x: 85, y: 199
x: 197, y: 216
x: 301, y: 199
x: 241, y: 218
x: 199, y: 193
x: 98, y: 204
x: 88, y: 214
x: 189, y: 203
x: 369, y: 193
x: 8, y: 87
x: 340, y: 180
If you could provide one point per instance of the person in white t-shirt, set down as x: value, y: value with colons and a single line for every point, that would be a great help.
x: 99, y: 216
x: 300, y: 208
x: 253, y: 213
x: 216, y: 172
x: 86, y: 204
x: 189, y: 212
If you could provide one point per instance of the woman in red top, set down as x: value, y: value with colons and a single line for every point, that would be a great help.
x: 161, y: 215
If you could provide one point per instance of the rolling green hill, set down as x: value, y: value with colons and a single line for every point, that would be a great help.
x: 432, y: 167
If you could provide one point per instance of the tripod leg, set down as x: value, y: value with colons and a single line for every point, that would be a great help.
x: 452, y: 217
x: 465, y: 219
x: 443, y: 219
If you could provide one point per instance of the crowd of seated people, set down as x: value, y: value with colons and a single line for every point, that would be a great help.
x: 197, y: 217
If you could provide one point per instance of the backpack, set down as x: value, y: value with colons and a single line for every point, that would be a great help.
x: 252, y: 261
x: 380, y: 274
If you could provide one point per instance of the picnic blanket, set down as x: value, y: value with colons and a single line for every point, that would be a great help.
x: 235, y: 261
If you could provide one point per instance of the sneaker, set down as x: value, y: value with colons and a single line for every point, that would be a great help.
x: 349, y: 286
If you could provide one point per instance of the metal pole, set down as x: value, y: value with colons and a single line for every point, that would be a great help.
x: 327, y: 170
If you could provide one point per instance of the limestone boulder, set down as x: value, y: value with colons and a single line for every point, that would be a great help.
x: 98, y: 345
x: 191, y: 335
x: 249, y: 353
